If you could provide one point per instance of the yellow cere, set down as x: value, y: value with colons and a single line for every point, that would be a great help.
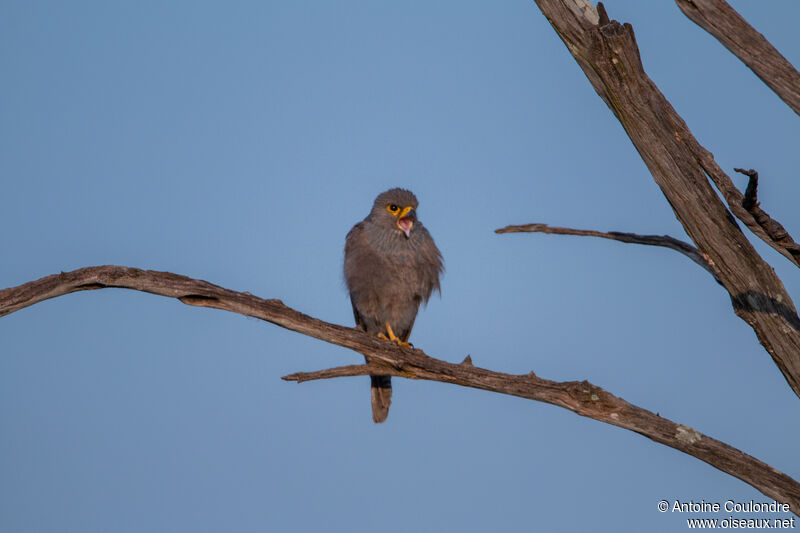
x: 405, y: 211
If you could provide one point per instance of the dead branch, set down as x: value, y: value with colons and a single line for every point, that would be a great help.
x: 632, y: 238
x: 734, y: 199
x: 772, y: 227
x: 723, y: 22
x: 580, y: 397
x: 369, y: 369
x: 608, y: 54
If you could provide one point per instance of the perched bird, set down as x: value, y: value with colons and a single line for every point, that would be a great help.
x: 391, y: 265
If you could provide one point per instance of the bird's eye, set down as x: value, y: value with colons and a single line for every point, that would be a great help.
x: 393, y: 208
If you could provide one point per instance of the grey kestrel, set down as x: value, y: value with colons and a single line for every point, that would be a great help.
x: 391, y: 266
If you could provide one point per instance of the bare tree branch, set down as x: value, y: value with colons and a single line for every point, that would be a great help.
x: 737, y: 35
x: 735, y: 200
x: 580, y: 397
x: 609, y: 56
x: 369, y: 369
x: 772, y: 227
x: 632, y: 238
x: 580, y: 32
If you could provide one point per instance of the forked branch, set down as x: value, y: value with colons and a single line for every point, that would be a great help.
x: 608, y: 54
x: 772, y: 227
x: 580, y: 397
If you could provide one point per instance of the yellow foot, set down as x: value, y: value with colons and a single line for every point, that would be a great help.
x: 392, y: 337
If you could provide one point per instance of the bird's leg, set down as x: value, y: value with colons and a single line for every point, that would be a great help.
x: 392, y: 337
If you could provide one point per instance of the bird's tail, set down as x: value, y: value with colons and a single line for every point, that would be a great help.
x: 381, y: 397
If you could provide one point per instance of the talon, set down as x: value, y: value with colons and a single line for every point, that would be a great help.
x: 393, y: 337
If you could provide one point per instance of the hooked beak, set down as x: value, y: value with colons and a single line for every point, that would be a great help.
x: 404, y: 220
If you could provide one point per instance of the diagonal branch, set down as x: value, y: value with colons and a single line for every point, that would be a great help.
x: 580, y: 397
x: 632, y: 238
x: 735, y: 200
x: 608, y: 54
x: 737, y: 35
x: 772, y: 227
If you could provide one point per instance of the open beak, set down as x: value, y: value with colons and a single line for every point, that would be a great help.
x: 405, y: 221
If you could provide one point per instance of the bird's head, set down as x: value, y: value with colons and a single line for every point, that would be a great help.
x: 396, y: 209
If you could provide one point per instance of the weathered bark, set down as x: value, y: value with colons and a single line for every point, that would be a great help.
x: 607, y: 52
x: 580, y: 397
x: 664, y: 241
x: 772, y: 227
x: 737, y: 35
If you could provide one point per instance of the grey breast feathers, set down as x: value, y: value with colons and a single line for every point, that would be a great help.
x: 388, y: 276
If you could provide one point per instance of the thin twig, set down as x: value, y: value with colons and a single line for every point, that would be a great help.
x: 369, y: 369
x: 750, y: 200
x: 649, y: 240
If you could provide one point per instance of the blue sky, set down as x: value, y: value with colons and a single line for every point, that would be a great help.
x: 239, y: 142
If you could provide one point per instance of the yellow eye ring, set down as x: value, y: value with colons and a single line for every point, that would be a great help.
x: 392, y: 208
